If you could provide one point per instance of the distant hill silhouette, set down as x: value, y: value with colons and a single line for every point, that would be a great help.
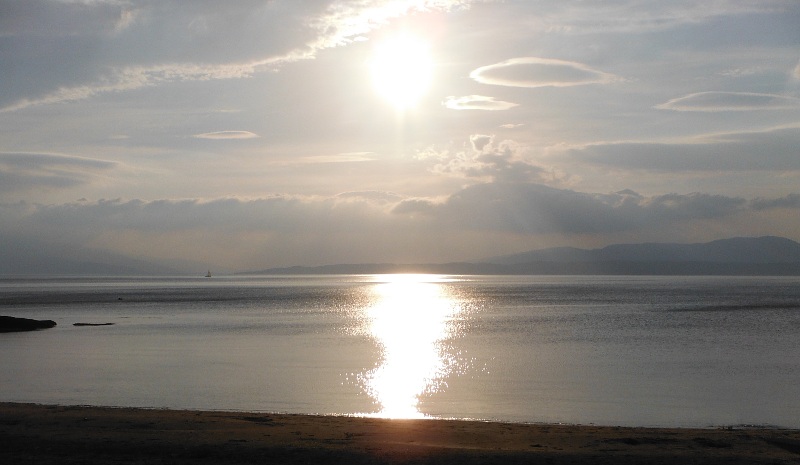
x: 38, y: 259
x: 766, y: 255
x: 767, y: 249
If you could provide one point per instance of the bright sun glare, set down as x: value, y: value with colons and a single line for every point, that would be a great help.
x: 402, y: 70
x: 410, y: 319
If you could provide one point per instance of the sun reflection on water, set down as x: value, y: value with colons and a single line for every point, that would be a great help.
x: 410, y: 319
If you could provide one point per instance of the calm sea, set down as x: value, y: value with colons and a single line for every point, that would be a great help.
x: 633, y: 351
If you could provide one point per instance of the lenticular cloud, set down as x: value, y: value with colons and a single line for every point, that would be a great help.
x: 476, y: 102
x: 227, y: 135
x: 540, y: 72
x: 730, y: 101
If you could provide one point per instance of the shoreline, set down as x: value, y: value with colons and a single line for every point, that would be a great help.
x: 50, y: 434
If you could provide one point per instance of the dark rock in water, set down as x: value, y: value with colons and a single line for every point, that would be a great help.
x: 92, y: 324
x: 10, y: 324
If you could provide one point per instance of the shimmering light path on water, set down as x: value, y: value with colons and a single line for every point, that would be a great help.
x: 660, y: 351
x: 410, y: 319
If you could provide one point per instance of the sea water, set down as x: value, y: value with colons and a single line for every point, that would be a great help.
x: 631, y: 351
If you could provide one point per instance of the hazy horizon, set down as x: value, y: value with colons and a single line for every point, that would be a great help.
x: 258, y: 134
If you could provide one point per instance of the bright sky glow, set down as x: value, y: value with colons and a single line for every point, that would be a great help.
x: 264, y: 134
x: 401, y: 70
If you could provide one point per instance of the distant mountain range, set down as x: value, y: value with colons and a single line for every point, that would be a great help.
x: 36, y: 259
x: 737, y: 256
x: 766, y: 255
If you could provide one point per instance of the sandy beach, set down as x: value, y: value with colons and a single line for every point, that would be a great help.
x: 44, y: 434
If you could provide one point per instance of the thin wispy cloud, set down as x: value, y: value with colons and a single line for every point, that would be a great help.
x: 540, y: 72
x: 132, y: 78
x: 477, y: 102
x: 32, y: 171
x: 336, y: 25
x: 730, y: 101
x: 380, y: 197
x: 227, y: 135
x: 343, y: 22
x: 635, y: 16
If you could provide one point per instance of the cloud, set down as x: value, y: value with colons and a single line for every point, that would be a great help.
x: 167, y: 42
x: 790, y: 201
x: 741, y: 72
x: 377, y: 197
x: 508, y: 207
x: 480, y: 141
x: 540, y: 72
x: 343, y: 22
x: 537, y: 209
x: 770, y: 150
x: 363, y: 226
x: 476, y: 102
x: 31, y: 171
x: 730, y: 101
x: 242, y: 234
x: 225, y: 135
x: 635, y: 16
x: 64, y: 19
x: 796, y: 71
x: 490, y: 161
x: 137, y: 77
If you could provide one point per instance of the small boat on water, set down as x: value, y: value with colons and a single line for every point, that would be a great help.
x: 208, y: 275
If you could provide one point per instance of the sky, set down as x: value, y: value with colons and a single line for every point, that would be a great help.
x: 252, y: 134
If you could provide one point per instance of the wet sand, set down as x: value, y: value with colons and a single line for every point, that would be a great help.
x: 40, y: 434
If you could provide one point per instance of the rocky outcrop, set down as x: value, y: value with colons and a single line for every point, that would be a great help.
x: 11, y: 324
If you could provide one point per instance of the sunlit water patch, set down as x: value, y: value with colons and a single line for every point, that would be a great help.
x: 410, y: 319
x: 655, y: 351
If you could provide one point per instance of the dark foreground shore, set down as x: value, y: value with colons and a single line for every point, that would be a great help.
x: 38, y: 434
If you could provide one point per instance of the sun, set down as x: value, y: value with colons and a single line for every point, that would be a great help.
x: 401, y: 69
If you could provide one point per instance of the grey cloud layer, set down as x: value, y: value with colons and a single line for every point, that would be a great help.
x: 775, y: 150
x: 362, y: 226
x: 506, y: 207
x: 538, y: 209
x: 26, y: 171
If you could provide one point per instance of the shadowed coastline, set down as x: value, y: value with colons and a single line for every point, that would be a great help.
x: 44, y: 434
x: 10, y: 324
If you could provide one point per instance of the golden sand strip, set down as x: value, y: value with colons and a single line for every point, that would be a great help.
x: 42, y: 434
